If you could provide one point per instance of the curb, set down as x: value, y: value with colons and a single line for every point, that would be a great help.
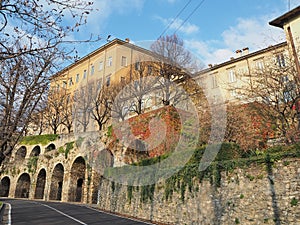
x: 2, y: 212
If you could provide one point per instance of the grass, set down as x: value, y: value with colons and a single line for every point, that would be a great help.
x: 38, y: 139
x: 1, y: 203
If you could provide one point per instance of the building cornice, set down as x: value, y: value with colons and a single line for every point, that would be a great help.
x: 241, y: 58
x: 97, y: 51
x: 282, y: 20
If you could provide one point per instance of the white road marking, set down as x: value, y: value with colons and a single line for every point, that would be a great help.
x: 123, y: 217
x: 9, y: 214
x: 65, y: 214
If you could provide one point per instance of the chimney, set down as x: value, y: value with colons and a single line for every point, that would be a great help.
x: 238, y: 53
x: 245, y: 51
x: 231, y: 58
x: 210, y: 65
x: 127, y: 40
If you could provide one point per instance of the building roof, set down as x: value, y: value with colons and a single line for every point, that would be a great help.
x: 102, y: 48
x: 280, y: 21
x: 234, y: 60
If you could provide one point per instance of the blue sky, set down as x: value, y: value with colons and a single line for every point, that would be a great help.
x: 213, y: 33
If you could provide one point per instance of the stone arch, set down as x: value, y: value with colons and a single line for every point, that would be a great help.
x: 50, y: 147
x: 23, y: 186
x: 36, y: 151
x: 4, y: 187
x: 57, y: 182
x: 21, y: 153
x: 40, y: 184
x: 77, y: 178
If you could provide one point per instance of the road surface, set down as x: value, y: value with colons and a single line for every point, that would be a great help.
x: 25, y: 212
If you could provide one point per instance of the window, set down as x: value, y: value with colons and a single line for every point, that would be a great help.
x: 108, y: 80
x: 92, y: 69
x: 289, y: 91
x: 57, y: 87
x: 99, y: 85
x: 233, y: 93
x: 68, y: 99
x: 136, y: 85
x: 124, y: 61
x: 122, y: 80
x: 214, y: 80
x: 64, y: 84
x: 150, y: 69
x: 84, y: 74
x: 70, y: 81
x: 280, y: 60
x: 77, y: 78
x: 284, y: 79
x: 101, y: 65
x: 90, y: 89
x: 109, y: 61
x: 137, y: 66
x: 231, y: 76
x: 259, y: 64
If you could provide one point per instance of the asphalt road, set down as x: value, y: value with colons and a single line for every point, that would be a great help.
x: 56, y: 213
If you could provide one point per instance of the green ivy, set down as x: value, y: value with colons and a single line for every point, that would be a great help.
x: 229, y: 158
x: 294, y: 202
x: 129, y: 193
x: 109, y: 131
x: 69, y: 146
x: 32, y: 164
x: 61, y: 150
x: 147, y: 193
x: 38, y: 139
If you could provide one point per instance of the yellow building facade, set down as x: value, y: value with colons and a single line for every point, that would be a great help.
x: 110, y: 63
x: 115, y: 61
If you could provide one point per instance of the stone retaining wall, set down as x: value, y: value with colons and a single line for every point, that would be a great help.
x: 259, y: 194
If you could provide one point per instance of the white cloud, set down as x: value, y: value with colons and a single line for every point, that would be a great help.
x: 254, y: 33
x: 207, y: 52
x: 186, y: 28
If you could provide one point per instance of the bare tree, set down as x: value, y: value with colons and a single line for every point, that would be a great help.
x: 33, y: 34
x: 57, y: 103
x: 31, y: 26
x: 175, y: 65
x: 82, y: 107
x: 23, y: 82
x: 101, y: 104
x: 276, y: 87
x: 142, y: 87
x: 66, y: 113
x: 36, y: 125
x: 120, y: 105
